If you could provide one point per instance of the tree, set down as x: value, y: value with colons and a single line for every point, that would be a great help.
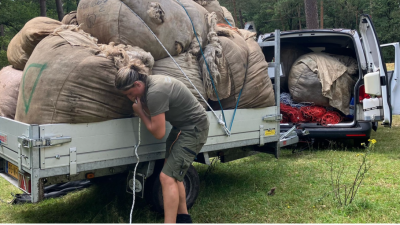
x: 60, y: 11
x: 311, y: 9
x: 14, y: 15
x: 43, y: 8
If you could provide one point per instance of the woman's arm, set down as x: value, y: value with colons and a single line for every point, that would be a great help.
x: 155, y: 124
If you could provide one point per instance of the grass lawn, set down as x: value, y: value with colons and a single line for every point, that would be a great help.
x: 236, y: 192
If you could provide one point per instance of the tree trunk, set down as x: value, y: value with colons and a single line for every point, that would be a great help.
x: 321, y: 20
x: 370, y: 7
x: 60, y: 11
x: 311, y: 10
x: 1, y: 35
x: 241, y: 19
x: 43, y: 8
x: 298, y: 13
x: 234, y: 10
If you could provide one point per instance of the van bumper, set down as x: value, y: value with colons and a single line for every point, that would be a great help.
x: 361, y: 130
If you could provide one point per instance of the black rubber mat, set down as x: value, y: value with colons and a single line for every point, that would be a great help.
x: 54, y: 191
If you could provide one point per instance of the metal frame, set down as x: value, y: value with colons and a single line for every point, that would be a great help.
x: 59, y: 152
x: 278, y: 83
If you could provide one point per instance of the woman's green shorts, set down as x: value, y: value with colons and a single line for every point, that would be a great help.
x: 182, y: 146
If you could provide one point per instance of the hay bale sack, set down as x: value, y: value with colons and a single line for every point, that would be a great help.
x: 227, y: 59
x: 258, y: 90
x: 198, y: 15
x: 323, y: 80
x: 70, y: 19
x: 24, y: 42
x: 190, y: 67
x: 10, y: 80
x: 214, y: 6
x: 228, y: 16
x: 113, y: 21
x: 69, y: 79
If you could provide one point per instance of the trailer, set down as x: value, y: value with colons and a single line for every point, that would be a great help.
x: 34, y: 156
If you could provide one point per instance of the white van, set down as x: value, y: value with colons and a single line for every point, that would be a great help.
x: 365, y: 48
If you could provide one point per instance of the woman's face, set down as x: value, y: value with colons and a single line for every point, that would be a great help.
x: 135, y: 92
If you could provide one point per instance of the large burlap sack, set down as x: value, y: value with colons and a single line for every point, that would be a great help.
x: 304, y: 84
x: 70, y: 19
x: 190, y: 67
x: 23, y: 43
x: 214, y: 6
x: 227, y: 59
x: 113, y: 21
x: 69, y: 79
x: 228, y: 16
x: 258, y: 90
x: 198, y: 16
x: 10, y: 80
x: 322, y: 79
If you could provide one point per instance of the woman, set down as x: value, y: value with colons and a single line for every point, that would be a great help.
x: 168, y: 99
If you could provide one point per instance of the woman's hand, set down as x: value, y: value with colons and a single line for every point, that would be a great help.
x: 137, y: 106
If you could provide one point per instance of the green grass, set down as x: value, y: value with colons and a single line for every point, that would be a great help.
x: 236, y: 192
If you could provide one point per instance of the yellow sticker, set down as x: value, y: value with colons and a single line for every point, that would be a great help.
x: 270, y: 132
x: 13, y: 170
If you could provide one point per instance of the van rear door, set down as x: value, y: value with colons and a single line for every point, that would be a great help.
x: 394, y: 76
x: 376, y: 64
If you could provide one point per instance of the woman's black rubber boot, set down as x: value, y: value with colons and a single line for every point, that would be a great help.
x: 183, y: 218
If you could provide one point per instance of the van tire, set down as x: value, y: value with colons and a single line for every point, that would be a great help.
x: 153, y: 190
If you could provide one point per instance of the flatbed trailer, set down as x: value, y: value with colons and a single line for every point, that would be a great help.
x: 34, y: 156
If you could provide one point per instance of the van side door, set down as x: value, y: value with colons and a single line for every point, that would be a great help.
x: 394, y: 76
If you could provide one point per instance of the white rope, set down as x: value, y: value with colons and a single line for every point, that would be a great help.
x: 220, y: 121
x: 134, y: 174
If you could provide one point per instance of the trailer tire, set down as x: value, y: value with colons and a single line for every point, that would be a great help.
x: 153, y: 190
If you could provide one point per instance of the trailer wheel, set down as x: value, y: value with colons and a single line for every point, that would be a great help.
x: 153, y: 189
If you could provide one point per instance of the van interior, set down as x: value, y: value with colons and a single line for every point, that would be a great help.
x: 331, y: 44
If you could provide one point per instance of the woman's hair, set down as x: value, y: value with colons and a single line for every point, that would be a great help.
x: 127, y: 76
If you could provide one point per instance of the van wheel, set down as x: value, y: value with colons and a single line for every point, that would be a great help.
x: 153, y: 190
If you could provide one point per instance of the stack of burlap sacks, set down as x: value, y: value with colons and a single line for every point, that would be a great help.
x: 65, y: 72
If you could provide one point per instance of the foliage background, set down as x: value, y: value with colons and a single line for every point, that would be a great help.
x: 268, y: 15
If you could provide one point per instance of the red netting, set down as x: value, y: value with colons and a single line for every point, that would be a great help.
x: 331, y: 117
x: 292, y: 113
x: 313, y: 113
x: 285, y: 118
